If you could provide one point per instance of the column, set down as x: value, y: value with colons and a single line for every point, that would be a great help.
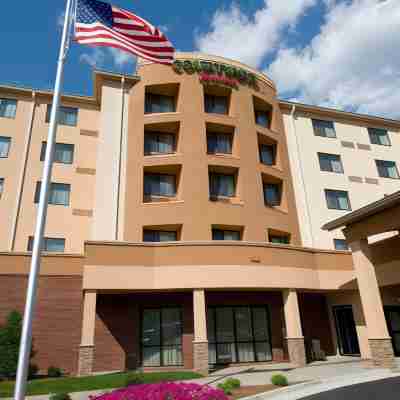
x: 200, y: 342
x: 86, y: 349
x: 378, y: 336
x: 294, y: 332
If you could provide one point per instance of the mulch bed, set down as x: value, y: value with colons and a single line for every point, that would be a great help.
x: 245, y: 391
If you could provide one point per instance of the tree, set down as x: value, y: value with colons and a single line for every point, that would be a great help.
x: 10, y: 336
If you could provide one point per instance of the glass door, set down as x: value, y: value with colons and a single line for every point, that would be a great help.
x: 393, y: 321
x: 346, y: 331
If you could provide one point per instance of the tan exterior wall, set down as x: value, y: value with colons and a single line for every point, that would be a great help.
x: 310, y: 181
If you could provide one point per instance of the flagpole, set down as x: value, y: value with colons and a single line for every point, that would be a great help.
x: 26, y: 336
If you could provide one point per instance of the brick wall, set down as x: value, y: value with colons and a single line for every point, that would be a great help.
x: 57, y: 321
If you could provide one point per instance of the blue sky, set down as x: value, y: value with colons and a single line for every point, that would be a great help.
x: 331, y: 52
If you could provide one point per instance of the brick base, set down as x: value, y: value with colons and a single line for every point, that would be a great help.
x: 382, y: 353
x: 297, y: 351
x: 86, y: 360
x: 200, y: 357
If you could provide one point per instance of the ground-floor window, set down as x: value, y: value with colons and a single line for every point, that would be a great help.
x: 162, y: 337
x: 238, y: 334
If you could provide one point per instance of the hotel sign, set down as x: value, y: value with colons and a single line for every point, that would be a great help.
x: 213, y: 72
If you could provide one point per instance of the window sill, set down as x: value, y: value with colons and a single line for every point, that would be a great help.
x: 158, y: 201
x: 159, y: 155
x: 224, y: 155
x: 173, y: 113
x: 278, y: 208
x: 226, y: 199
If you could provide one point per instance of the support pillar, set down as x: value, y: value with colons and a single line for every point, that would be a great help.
x: 200, y: 342
x: 294, y: 332
x: 378, y: 336
x: 86, y: 349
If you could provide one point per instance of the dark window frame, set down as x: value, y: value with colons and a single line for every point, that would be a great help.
x: 320, y: 130
x: 214, y: 232
x: 216, y: 175
x: 278, y: 201
x: 158, y: 231
x: 338, y: 247
x: 44, y: 148
x: 374, y: 135
x: 210, y: 104
x: 150, y: 102
x: 380, y: 166
x: 157, y: 135
x: 46, y: 240
x: 268, y: 118
x: 14, y: 101
x: 282, y: 239
x: 65, y: 110
x: 52, y: 185
x: 330, y: 157
x: 273, y: 153
x: 9, y: 140
x: 2, y: 184
x: 158, y: 175
x: 219, y: 138
x: 338, y: 191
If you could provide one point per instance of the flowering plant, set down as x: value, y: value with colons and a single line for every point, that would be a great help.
x: 165, y: 391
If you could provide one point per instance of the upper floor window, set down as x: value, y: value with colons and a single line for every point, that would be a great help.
x: 222, y: 185
x: 5, y: 143
x: 54, y: 245
x: 379, y: 136
x: 160, y: 185
x: 1, y: 186
x: 8, y: 108
x: 59, y: 193
x: 66, y: 115
x: 340, y: 244
x: 158, y: 103
x: 159, y: 143
x: 330, y: 163
x: 272, y: 194
x: 222, y: 234
x: 219, y: 143
x: 216, y: 104
x: 387, y: 169
x: 159, y: 236
x: 63, y: 154
x: 337, y: 199
x: 263, y: 118
x: 267, y: 154
x: 324, y: 128
x: 279, y: 239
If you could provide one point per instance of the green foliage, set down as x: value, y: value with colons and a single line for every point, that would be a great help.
x: 279, y: 380
x: 229, y: 385
x: 54, y: 372
x: 60, y: 396
x: 134, y: 378
x: 10, y: 336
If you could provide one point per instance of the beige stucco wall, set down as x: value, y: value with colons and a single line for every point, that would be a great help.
x: 310, y: 196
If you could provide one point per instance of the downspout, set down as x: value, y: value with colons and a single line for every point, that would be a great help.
x: 303, y: 182
x: 23, y: 174
x: 121, y: 141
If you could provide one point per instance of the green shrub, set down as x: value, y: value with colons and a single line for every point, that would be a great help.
x: 54, y: 372
x: 279, y: 380
x: 10, y: 336
x: 229, y: 385
x: 60, y: 396
x: 134, y: 378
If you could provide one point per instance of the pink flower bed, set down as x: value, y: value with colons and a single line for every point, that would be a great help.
x: 165, y: 391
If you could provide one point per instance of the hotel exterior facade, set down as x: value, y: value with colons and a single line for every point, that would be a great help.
x: 184, y: 224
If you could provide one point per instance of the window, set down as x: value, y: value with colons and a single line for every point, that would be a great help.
x: 387, y: 169
x: 159, y: 185
x: 66, y: 115
x: 159, y: 236
x: 379, y: 136
x: 49, y: 244
x: 262, y: 118
x: 323, y: 128
x: 220, y: 234
x: 337, y: 199
x: 330, y: 163
x: 272, y: 194
x: 161, y: 339
x: 215, y: 104
x: 267, y: 154
x: 8, y: 108
x: 5, y: 143
x: 159, y: 143
x: 222, y: 185
x: 277, y: 239
x: 1, y: 186
x: 219, y: 143
x: 59, y: 193
x: 157, y: 103
x: 340, y: 244
x: 64, y: 153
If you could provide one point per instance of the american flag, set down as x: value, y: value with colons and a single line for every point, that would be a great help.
x: 101, y: 24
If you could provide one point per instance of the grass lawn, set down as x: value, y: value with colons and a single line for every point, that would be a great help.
x: 80, y: 384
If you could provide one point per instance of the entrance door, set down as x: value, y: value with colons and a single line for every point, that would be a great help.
x: 346, y: 331
x: 393, y: 321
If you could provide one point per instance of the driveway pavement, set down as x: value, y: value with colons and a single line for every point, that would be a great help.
x: 386, y: 389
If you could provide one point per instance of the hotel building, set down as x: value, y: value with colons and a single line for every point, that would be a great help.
x: 185, y: 222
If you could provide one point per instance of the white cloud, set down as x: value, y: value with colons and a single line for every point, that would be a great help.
x: 121, y: 58
x: 353, y: 63
x: 99, y: 57
x: 235, y: 35
x: 95, y: 58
